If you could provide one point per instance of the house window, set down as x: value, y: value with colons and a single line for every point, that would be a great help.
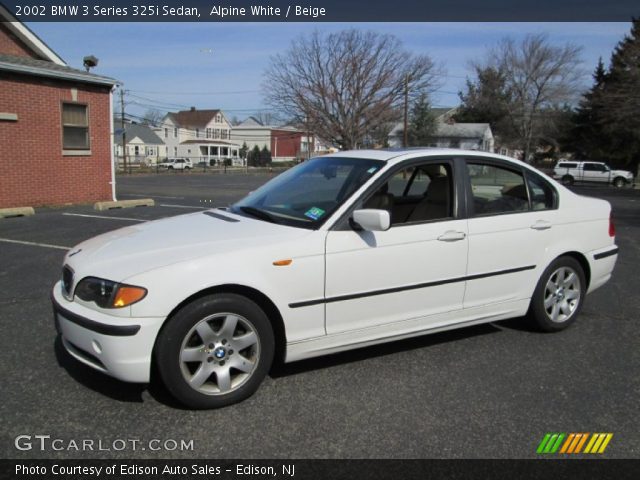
x: 197, y: 133
x: 136, y: 150
x: 175, y: 133
x: 75, y: 127
x: 166, y: 133
x: 208, y: 133
x: 217, y: 133
x: 218, y: 118
x: 175, y: 151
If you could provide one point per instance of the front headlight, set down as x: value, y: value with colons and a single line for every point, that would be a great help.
x: 108, y: 294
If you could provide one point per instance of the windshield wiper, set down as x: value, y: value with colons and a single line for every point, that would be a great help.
x: 261, y: 214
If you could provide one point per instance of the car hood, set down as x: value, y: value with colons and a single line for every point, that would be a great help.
x: 128, y: 251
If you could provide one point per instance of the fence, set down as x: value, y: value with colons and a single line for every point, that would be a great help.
x: 142, y: 164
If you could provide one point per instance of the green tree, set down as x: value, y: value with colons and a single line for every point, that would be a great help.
x: 422, y: 122
x: 253, y: 156
x: 487, y: 100
x: 607, y: 123
x: 265, y: 156
x: 587, y: 137
x: 243, y: 151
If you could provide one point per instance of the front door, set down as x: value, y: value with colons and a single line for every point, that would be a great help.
x: 409, y: 272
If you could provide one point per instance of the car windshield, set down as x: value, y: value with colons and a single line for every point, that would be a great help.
x: 306, y: 195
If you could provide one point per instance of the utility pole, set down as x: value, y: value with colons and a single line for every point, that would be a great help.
x: 405, y: 142
x: 124, y: 135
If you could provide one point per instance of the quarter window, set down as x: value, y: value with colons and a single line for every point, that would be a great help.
x: 497, y: 190
x: 543, y: 196
x: 75, y: 127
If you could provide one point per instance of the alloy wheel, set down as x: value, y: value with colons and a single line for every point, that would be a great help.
x: 562, y: 294
x: 219, y: 354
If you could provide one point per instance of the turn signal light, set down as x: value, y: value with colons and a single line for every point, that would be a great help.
x: 282, y: 263
x: 127, y: 295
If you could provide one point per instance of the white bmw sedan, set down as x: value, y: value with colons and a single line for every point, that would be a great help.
x: 340, y: 252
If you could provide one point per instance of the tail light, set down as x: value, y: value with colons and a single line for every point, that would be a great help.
x: 612, y: 227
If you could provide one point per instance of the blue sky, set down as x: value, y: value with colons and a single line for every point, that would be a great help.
x: 220, y: 65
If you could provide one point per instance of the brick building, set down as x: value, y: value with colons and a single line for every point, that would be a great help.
x: 55, y: 125
x: 284, y: 143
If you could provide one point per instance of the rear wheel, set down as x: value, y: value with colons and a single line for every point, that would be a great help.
x: 619, y: 182
x: 567, y: 180
x: 215, y: 351
x: 559, y: 295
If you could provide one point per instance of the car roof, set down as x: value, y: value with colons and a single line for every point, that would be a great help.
x: 389, y: 154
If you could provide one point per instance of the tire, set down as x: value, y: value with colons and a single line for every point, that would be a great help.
x: 215, y: 351
x: 567, y: 180
x: 619, y: 182
x: 559, y: 295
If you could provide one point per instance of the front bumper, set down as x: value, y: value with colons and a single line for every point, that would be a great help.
x: 120, y: 347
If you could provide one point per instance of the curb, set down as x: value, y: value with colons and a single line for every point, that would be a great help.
x: 143, y: 202
x: 16, y: 212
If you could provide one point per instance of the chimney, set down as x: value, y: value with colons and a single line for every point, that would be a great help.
x: 193, y: 109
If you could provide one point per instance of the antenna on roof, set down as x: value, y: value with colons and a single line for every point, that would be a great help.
x: 89, y: 62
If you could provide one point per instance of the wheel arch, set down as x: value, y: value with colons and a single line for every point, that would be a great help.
x: 262, y: 300
x: 582, y: 260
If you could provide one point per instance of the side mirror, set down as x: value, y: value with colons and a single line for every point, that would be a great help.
x: 372, y: 220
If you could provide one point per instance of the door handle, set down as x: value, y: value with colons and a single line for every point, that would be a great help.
x: 452, y: 236
x: 541, y: 225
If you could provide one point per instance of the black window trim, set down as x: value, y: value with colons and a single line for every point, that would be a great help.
x: 459, y: 202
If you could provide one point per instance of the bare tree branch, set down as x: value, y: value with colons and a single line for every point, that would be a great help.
x: 346, y: 85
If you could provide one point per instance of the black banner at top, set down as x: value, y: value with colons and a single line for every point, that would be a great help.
x: 322, y: 10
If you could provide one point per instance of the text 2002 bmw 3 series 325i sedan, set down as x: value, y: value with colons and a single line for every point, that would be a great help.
x: 340, y: 252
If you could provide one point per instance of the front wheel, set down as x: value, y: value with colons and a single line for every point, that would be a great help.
x: 559, y: 295
x: 215, y: 351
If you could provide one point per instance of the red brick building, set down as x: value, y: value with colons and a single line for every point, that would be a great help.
x: 55, y: 125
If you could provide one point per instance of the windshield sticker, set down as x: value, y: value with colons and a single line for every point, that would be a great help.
x: 314, y: 213
x: 372, y: 169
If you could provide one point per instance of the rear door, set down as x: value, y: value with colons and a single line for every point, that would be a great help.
x: 512, y: 215
x: 596, y: 172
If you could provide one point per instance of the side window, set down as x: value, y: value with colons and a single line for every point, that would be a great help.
x: 497, y: 190
x: 416, y: 194
x: 543, y: 196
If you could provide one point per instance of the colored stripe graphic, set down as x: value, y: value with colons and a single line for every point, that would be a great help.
x: 572, y: 443
x: 550, y: 443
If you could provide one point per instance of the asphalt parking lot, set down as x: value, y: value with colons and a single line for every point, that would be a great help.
x: 487, y: 391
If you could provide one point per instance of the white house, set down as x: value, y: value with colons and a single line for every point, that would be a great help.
x: 286, y: 143
x: 142, y: 144
x: 201, y: 135
x: 449, y: 134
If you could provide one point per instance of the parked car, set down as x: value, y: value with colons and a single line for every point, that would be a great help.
x: 569, y: 172
x: 176, y: 164
x: 340, y: 252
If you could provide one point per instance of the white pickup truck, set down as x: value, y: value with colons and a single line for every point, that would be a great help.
x: 569, y: 172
